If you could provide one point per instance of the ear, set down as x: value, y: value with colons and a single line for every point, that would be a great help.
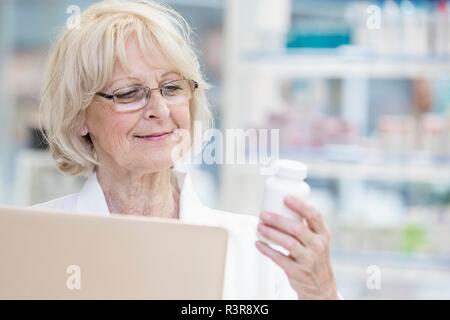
x: 83, y: 131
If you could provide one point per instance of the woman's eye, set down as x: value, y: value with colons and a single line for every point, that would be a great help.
x: 129, y: 94
x: 171, y: 89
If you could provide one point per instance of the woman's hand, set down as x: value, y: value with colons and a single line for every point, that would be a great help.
x: 308, y: 265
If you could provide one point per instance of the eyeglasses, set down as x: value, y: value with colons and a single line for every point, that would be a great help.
x: 136, y: 97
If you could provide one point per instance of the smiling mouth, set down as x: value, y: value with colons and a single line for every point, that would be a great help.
x: 154, y: 136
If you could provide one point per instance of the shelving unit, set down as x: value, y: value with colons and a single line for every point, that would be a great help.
x: 333, y: 64
x: 365, y: 171
x: 24, y: 39
x: 6, y: 44
x: 364, y: 234
x: 254, y: 72
x: 36, y: 177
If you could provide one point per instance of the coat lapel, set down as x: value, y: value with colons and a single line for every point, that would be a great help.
x: 91, y: 198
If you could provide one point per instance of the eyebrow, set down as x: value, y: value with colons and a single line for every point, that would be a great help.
x: 138, y: 79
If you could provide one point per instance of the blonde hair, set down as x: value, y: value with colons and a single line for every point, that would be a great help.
x: 82, y: 60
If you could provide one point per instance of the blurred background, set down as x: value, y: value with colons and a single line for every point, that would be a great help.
x: 360, y: 91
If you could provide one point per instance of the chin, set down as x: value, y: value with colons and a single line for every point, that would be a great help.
x: 154, y: 163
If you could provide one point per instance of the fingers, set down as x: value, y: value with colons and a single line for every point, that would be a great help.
x: 291, y: 244
x: 296, y: 229
x: 307, y: 212
x: 280, y: 259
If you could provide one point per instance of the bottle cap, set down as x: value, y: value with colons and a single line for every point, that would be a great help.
x: 291, y: 169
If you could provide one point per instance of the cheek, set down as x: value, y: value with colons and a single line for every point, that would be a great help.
x: 181, y: 117
x: 118, y: 132
x: 110, y: 131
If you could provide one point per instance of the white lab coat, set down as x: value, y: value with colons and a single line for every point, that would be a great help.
x: 248, y: 274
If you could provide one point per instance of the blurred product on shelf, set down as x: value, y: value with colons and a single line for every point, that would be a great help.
x: 419, y: 230
x: 415, y: 28
x: 418, y: 126
x: 435, y: 135
x: 308, y: 129
x: 428, y: 134
x: 318, y: 36
x: 403, y: 27
x: 397, y: 134
x: 270, y: 26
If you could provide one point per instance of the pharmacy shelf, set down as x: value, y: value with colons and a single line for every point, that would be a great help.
x: 252, y: 74
x: 439, y: 173
x: 212, y: 4
x: 322, y: 65
x: 380, y: 172
x: 251, y: 178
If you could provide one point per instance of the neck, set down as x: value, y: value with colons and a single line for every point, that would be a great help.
x: 150, y: 194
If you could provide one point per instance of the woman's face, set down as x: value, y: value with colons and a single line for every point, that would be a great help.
x: 118, y: 137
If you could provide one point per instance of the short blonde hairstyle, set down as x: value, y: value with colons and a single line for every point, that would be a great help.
x: 82, y: 60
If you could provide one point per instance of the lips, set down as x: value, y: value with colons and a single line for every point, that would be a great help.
x: 155, y: 135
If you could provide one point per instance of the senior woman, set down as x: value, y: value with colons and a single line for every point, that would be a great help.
x: 118, y: 91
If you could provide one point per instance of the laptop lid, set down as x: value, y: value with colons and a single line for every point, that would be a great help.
x: 56, y: 255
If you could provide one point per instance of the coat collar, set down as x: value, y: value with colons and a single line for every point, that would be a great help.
x: 92, y: 199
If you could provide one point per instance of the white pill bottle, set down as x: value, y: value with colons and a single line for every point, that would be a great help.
x: 288, y: 179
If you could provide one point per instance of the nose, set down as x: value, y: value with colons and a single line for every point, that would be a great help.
x: 156, y: 107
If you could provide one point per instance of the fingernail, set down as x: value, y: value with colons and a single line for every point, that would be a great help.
x: 265, y: 216
x: 290, y: 198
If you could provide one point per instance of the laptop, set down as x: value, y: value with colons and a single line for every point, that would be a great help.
x: 57, y: 255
